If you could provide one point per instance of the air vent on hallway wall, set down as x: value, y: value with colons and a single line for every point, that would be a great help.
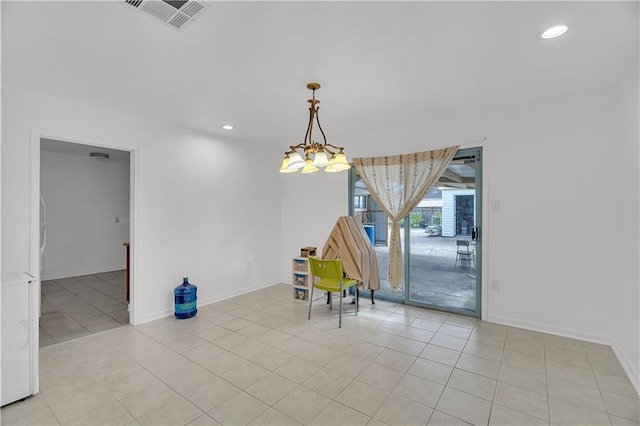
x: 178, y: 14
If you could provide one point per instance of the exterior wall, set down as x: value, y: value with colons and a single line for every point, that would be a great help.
x: 448, y: 214
x: 449, y: 210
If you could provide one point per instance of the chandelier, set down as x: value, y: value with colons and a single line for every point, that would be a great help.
x: 311, y: 156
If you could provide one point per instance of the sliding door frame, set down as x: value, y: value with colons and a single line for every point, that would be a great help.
x: 477, y: 152
x: 466, y: 152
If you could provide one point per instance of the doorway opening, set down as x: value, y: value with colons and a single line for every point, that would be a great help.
x: 440, y: 239
x: 84, y: 224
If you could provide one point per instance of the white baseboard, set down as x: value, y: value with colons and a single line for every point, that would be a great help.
x: 210, y: 300
x: 546, y: 328
x: 59, y: 275
x: 634, y: 376
x: 206, y: 301
x: 574, y: 334
x: 152, y: 317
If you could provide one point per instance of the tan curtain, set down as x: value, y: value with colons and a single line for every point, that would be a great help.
x: 398, y: 183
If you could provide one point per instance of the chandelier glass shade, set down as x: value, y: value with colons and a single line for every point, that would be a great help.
x: 311, y: 156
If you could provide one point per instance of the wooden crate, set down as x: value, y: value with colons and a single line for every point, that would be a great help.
x: 308, y: 251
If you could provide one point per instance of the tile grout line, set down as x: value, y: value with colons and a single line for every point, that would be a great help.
x: 88, y: 303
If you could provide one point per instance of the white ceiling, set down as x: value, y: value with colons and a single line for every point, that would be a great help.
x: 382, y: 65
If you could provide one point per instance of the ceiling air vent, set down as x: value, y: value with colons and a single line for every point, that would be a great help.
x: 178, y: 14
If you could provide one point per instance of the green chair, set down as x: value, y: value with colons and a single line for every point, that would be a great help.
x: 331, y: 280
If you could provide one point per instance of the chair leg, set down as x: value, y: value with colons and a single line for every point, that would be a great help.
x: 340, y: 314
x: 372, y: 302
x: 357, y: 301
x: 310, y: 301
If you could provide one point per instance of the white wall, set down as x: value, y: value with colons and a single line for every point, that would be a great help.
x: 84, y: 196
x: 625, y: 288
x: 311, y: 206
x: 552, y: 245
x: 196, y: 212
x: 552, y: 164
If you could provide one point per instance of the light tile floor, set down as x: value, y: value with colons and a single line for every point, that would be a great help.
x: 79, y: 306
x: 256, y: 359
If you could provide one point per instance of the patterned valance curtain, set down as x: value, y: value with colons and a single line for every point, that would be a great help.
x: 398, y: 183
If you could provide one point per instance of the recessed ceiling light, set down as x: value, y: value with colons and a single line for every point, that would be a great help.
x: 228, y: 127
x: 555, y: 31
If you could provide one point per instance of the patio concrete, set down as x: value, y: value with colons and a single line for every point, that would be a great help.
x: 434, y: 276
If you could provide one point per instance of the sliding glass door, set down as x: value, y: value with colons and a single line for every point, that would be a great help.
x: 442, y: 245
x: 440, y: 239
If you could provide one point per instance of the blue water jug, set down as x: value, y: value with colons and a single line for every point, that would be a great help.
x: 186, y: 298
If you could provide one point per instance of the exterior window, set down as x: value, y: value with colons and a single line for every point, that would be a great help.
x: 360, y: 202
